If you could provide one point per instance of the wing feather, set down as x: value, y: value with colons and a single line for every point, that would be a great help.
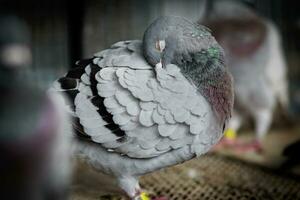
x: 130, y: 108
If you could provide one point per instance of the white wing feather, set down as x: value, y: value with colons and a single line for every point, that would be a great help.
x: 159, y: 110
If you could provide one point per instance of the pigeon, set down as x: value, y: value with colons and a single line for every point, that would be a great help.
x: 254, y: 56
x: 140, y: 106
x: 34, y: 154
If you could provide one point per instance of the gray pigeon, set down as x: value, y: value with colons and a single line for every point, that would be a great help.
x: 254, y: 56
x: 34, y: 155
x: 140, y: 106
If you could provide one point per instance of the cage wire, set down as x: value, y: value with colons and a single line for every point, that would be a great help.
x: 215, y: 177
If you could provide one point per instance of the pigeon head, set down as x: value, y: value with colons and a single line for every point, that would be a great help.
x: 169, y: 40
x: 160, y: 40
x: 191, y: 47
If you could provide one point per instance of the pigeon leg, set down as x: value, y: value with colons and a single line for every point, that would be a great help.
x: 263, y: 119
x: 130, y: 185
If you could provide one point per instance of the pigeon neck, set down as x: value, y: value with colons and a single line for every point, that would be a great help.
x: 218, y: 91
x: 207, y: 72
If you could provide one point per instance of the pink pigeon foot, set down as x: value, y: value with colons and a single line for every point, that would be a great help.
x: 227, y: 143
x: 253, y: 146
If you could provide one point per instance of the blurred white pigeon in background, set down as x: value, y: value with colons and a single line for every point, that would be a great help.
x: 34, y: 158
x: 254, y: 56
x: 140, y: 106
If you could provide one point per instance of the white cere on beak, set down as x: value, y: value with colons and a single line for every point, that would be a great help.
x: 160, y: 45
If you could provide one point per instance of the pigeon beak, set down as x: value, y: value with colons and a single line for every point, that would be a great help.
x: 160, y: 46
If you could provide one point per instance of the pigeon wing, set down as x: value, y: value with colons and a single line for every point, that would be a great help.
x: 129, y: 108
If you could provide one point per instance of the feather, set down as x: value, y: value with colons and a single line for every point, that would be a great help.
x: 179, y: 143
x: 107, y: 74
x: 181, y: 132
x: 111, y: 102
x: 197, y: 110
x: 163, y: 145
x: 133, y: 108
x: 117, y: 110
x: 85, y: 79
x: 166, y: 129
x: 147, y: 105
x: 169, y: 117
x: 105, y: 91
x: 130, y: 125
x: 157, y: 118
x: 104, y: 138
x: 88, y: 69
x: 145, y: 118
x: 135, y: 61
x: 124, y: 97
x: 181, y: 115
x: 196, y: 128
x: 96, y: 60
x: 121, y: 119
x: 160, y: 110
x: 85, y: 89
x: 148, y: 144
x: 92, y: 122
x: 135, y: 46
